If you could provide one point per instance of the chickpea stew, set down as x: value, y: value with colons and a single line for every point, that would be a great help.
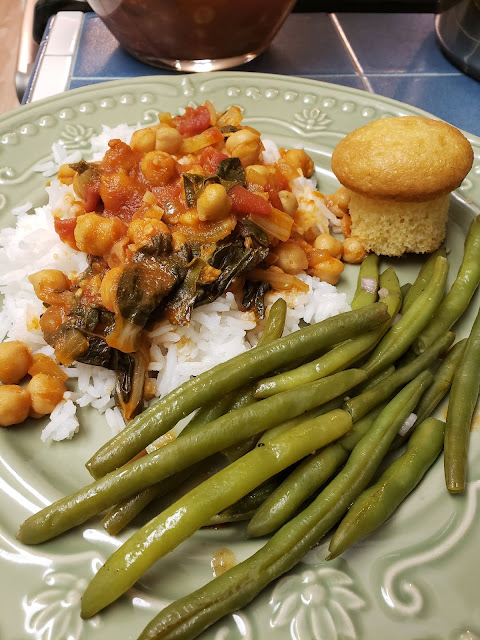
x: 191, y: 208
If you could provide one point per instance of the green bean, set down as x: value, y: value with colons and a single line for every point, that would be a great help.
x: 187, y: 515
x: 126, y: 510
x: 223, y: 378
x: 278, y: 429
x: 374, y: 380
x: 360, y: 405
x: 244, y: 508
x: 377, y: 503
x: 405, y: 288
x: 399, y: 338
x: 272, y: 331
x: 117, y: 518
x: 368, y: 269
x: 341, y: 356
x: 422, y: 279
x: 463, y: 399
x: 181, y: 453
x: 304, y: 480
x: 442, y: 380
x: 235, y: 588
x: 460, y: 294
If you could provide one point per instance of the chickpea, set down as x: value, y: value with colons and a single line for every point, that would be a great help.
x: 213, y: 203
x: 45, y: 364
x: 143, y: 140
x: 168, y: 139
x: 66, y: 174
x: 15, y: 360
x: 142, y: 231
x: 353, y: 250
x: 48, y: 281
x: 338, y: 201
x: 15, y: 404
x: 328, y: 243
x: 298, y: 159
x: 96, y: 235
x: 158, y: 167
x: 108, y: 288
x: 245, y: 144
x: 46, y: 392
x: 328, y: 270
x: 289, y: 202
x: 291, y: 258
x: 120, y: 253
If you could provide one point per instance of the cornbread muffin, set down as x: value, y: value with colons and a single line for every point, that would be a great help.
x: 400, y: 172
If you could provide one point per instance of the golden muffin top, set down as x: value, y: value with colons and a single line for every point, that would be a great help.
x: 406, y: 159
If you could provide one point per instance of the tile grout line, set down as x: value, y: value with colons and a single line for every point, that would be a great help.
x: 348, y: 47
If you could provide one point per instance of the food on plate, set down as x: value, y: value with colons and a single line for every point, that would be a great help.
x: 278, y: 402
x: 399, y: 172
x: 183, y: 214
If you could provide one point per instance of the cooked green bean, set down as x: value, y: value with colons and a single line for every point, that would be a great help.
x: 280, y: 428
x: 272, y: 331
x: 180, y: 454
x: 460, y: 294
x: 341, y: 356
x: 126, y: 510
x: 369, y: 271
x: 223, y: 378
x: 422, y: 279
x: 462, y: 402
x: 377, y: 503
x: 187, y: 515
x: 402, y: 334
x: 374, y: 380
x: 304, y: 480
x: 360, y: 405
x: 244, y: 508
x: 189, y: 616
x: 442, y: 381
x: 117, y: 518
x: 405, y: 288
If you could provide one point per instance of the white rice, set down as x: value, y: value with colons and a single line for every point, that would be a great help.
x: 217, y: 331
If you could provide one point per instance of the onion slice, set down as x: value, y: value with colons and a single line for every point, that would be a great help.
x: 369, y: 285
x: 408, y: 424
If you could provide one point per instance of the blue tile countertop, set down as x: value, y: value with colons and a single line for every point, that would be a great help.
x: 390, y: 54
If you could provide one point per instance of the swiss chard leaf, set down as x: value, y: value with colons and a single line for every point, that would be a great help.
x: 142, y: 286
x: 245, y: 248
x: 179, y: 308
x: 229, y: 173
x: 193, y: 185
x: 230, y: 170
x: 254, y: 297
x: 229, y: 128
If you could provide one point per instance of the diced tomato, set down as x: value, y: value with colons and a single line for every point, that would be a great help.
x: 210, y: 159
x: 245, y: 203
x: 193, y: 121
x: 274, y: 197
x: 65, y: 230
x: 92, y: 197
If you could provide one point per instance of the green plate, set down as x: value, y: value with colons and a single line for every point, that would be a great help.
x: 416, y: 578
